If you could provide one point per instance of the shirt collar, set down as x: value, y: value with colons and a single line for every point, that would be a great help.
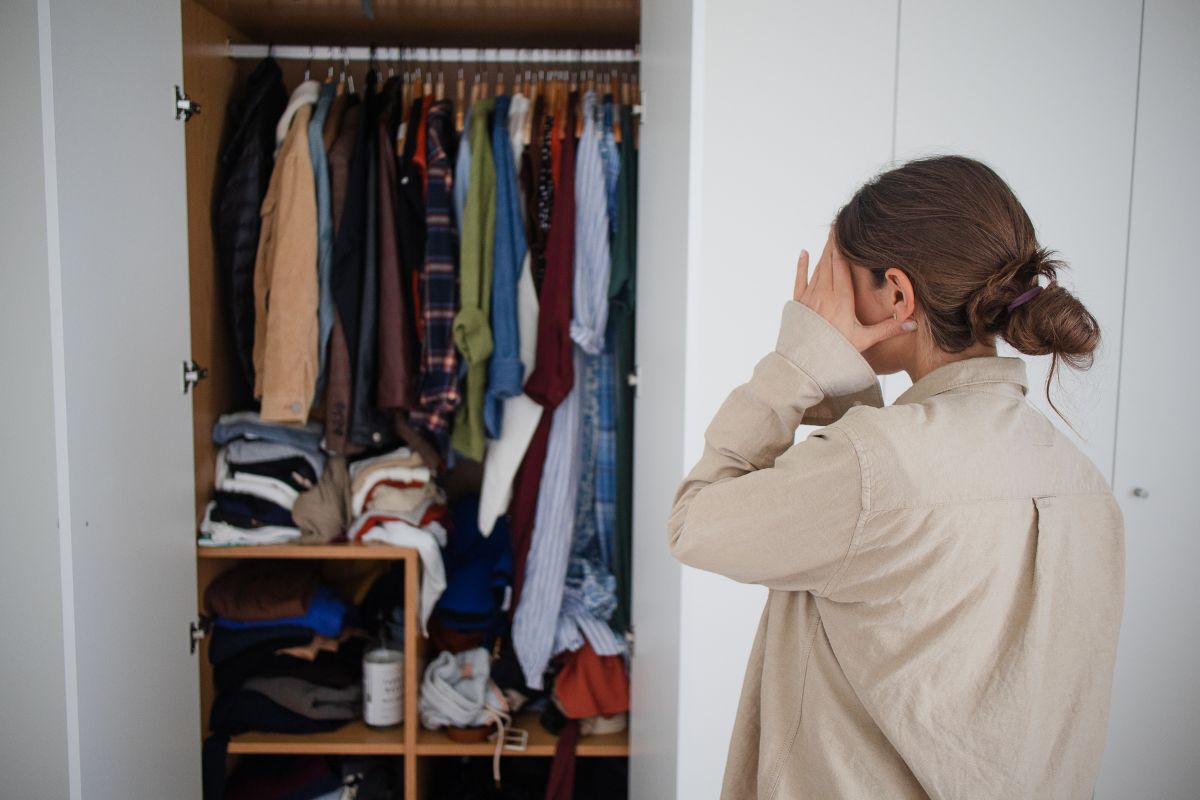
x: 967, y: 372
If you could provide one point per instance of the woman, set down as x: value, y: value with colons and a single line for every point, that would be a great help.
x: 947, y: 572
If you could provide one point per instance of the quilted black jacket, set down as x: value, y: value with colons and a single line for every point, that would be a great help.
x: 246, y: 163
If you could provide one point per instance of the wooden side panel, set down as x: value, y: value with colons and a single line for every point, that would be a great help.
x: 210, y: 78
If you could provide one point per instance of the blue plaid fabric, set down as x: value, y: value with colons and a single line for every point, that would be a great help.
x: 439, y: 288
x: 612, y: 163
x: 606, y: 448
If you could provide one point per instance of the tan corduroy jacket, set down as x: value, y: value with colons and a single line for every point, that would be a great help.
x: 285, y: 283
x: 946, y: 579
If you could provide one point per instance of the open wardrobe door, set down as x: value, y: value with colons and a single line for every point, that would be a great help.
x: 115, y: 206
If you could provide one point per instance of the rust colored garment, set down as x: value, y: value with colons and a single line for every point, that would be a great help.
x: 590, y: 685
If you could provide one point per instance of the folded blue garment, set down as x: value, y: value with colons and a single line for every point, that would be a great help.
x: 249, y: 425
x: 326, y: 616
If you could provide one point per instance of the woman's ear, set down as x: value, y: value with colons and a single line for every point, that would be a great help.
x: 900, y: 295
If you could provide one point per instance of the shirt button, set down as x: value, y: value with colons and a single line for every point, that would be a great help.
x: 296, y: 407
x: 404, y: 181
x: 376, y: 437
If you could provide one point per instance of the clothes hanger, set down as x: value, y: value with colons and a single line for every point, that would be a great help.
x: 440, y: 93
x: 460, y: 92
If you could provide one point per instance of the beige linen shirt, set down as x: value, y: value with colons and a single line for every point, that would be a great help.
x: 946, y: 579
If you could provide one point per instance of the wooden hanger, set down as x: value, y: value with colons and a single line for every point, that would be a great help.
x: 460, y: 94
x: 440, y: 93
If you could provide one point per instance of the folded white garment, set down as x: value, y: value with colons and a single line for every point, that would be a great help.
x: 399, y: 474
x: 366, y: 463
x: 222, y: 534
x: 263, y: 486
x: 401, y: 534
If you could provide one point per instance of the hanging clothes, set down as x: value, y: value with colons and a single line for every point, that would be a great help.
x: 320, y: 165
x: 535, y: 622
x: 369, y: 426
x: 246, y: 166
x: 285, y: 340
x: 347, y: 217
x: 439, y: 295
x: 396, y: 381
x: 505, y: 373
x: 472, y: 326
x: 621, y: 292
x: 554, y: 372
x: 589, y: 585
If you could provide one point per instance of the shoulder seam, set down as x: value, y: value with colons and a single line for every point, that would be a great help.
x: 864, y: 506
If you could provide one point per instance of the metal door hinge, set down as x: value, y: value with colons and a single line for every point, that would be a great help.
x: 197, y: 630
x: 639, y: 109
x: 193, y: 373
x: 634, y: 379
x: 185, y: 106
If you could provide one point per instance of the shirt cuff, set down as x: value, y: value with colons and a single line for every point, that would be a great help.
x: 809, y: 341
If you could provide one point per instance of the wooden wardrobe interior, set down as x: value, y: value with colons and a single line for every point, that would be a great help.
x: 211, y: 78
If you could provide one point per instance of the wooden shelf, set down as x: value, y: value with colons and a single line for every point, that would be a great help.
x: 353, y: 739
x: 541, y: 742
x: 370, y: 552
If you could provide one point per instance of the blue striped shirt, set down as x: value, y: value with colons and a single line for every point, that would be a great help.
x: 536, y: 624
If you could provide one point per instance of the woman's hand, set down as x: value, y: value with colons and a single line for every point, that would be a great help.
x: 831, y: 294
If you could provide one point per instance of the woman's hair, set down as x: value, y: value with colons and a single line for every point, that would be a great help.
x: 957, y: 230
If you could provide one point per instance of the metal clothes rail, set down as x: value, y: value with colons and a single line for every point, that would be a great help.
x: 443, y: 55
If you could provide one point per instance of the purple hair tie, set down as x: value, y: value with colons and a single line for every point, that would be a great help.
x: 1026, y: 296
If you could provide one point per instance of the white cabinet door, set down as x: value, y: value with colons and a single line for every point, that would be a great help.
x: 118, y: 243
x: 1155, y: 724
x: 1045, y: 94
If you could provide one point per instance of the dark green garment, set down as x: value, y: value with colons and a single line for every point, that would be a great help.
x: 472, y: 324
x: 621, y: 292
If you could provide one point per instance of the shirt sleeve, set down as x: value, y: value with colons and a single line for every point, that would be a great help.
x: 758, y: 508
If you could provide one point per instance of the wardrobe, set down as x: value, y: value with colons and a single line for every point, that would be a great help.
x: 212, y: 33
x: 150, y: 347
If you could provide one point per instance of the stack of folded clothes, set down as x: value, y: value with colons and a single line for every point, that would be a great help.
x: 261, y: 469
x: 284, y: 653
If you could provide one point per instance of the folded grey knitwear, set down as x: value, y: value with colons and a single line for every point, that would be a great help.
x: 309, y: 699
x: 456, y: 692
x: 251, y: 451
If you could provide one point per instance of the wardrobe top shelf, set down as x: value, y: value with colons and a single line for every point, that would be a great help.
x: 368, y: 552
x: 466, y: 23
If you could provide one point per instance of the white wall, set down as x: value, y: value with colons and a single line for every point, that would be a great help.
x: 796, y: 112
x: 33, y: 736
x: 799, y: 104
x: 1045, y: 94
